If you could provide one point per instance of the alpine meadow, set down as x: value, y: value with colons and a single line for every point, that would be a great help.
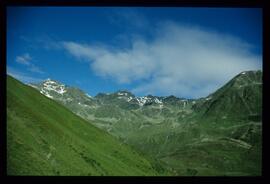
x: 141, y: 91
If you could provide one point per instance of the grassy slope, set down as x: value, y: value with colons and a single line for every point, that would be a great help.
x: 44, y: 138
x: 205, y: 148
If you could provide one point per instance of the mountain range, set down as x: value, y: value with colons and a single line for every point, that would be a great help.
x: 216, y: 135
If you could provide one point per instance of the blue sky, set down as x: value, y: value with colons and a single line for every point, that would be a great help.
x: 187, y: 52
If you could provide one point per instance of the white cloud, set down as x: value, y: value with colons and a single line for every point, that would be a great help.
x: 26, y: 59
x: 183, y: 60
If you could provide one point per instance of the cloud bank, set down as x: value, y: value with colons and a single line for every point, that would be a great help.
x: 182, y: 60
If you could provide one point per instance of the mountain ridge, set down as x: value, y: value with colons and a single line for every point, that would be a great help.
x: 142, y: 98
x: 125, y: 90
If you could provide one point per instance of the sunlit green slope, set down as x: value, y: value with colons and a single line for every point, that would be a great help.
x: 45, y: 138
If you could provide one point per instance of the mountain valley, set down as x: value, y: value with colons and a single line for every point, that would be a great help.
x: 216, y: 135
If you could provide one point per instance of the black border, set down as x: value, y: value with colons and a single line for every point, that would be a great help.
x: 138, y: 3
x: 3, y: 90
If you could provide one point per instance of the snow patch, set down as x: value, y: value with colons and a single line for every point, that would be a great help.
x: 61, y: 91
x: 46, y: 93
x: 53, y: 86
x: 50, y: 82
x: 88, y: 95
x: 122, y: 94
x: 158, y: 101
x: 142, y: 100
x: 129, y: 99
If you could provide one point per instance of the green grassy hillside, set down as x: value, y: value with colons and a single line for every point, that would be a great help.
x: 205, y: 147
x: 45, y: 138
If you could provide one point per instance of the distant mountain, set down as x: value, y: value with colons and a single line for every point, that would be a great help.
x: 45, y: 138
x: 183, y: 133
x: 60, y: 92
x: 240, y: 98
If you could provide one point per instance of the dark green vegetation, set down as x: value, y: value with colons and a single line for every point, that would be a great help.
x: 45, y: 138
x: 215, y: 136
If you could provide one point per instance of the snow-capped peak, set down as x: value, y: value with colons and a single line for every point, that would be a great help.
x: 50, y: 85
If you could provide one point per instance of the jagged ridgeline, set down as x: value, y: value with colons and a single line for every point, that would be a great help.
x: 45, y: 138
x: 216, y: 135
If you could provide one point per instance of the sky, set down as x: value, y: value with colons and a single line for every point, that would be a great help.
x: 186, y: 52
